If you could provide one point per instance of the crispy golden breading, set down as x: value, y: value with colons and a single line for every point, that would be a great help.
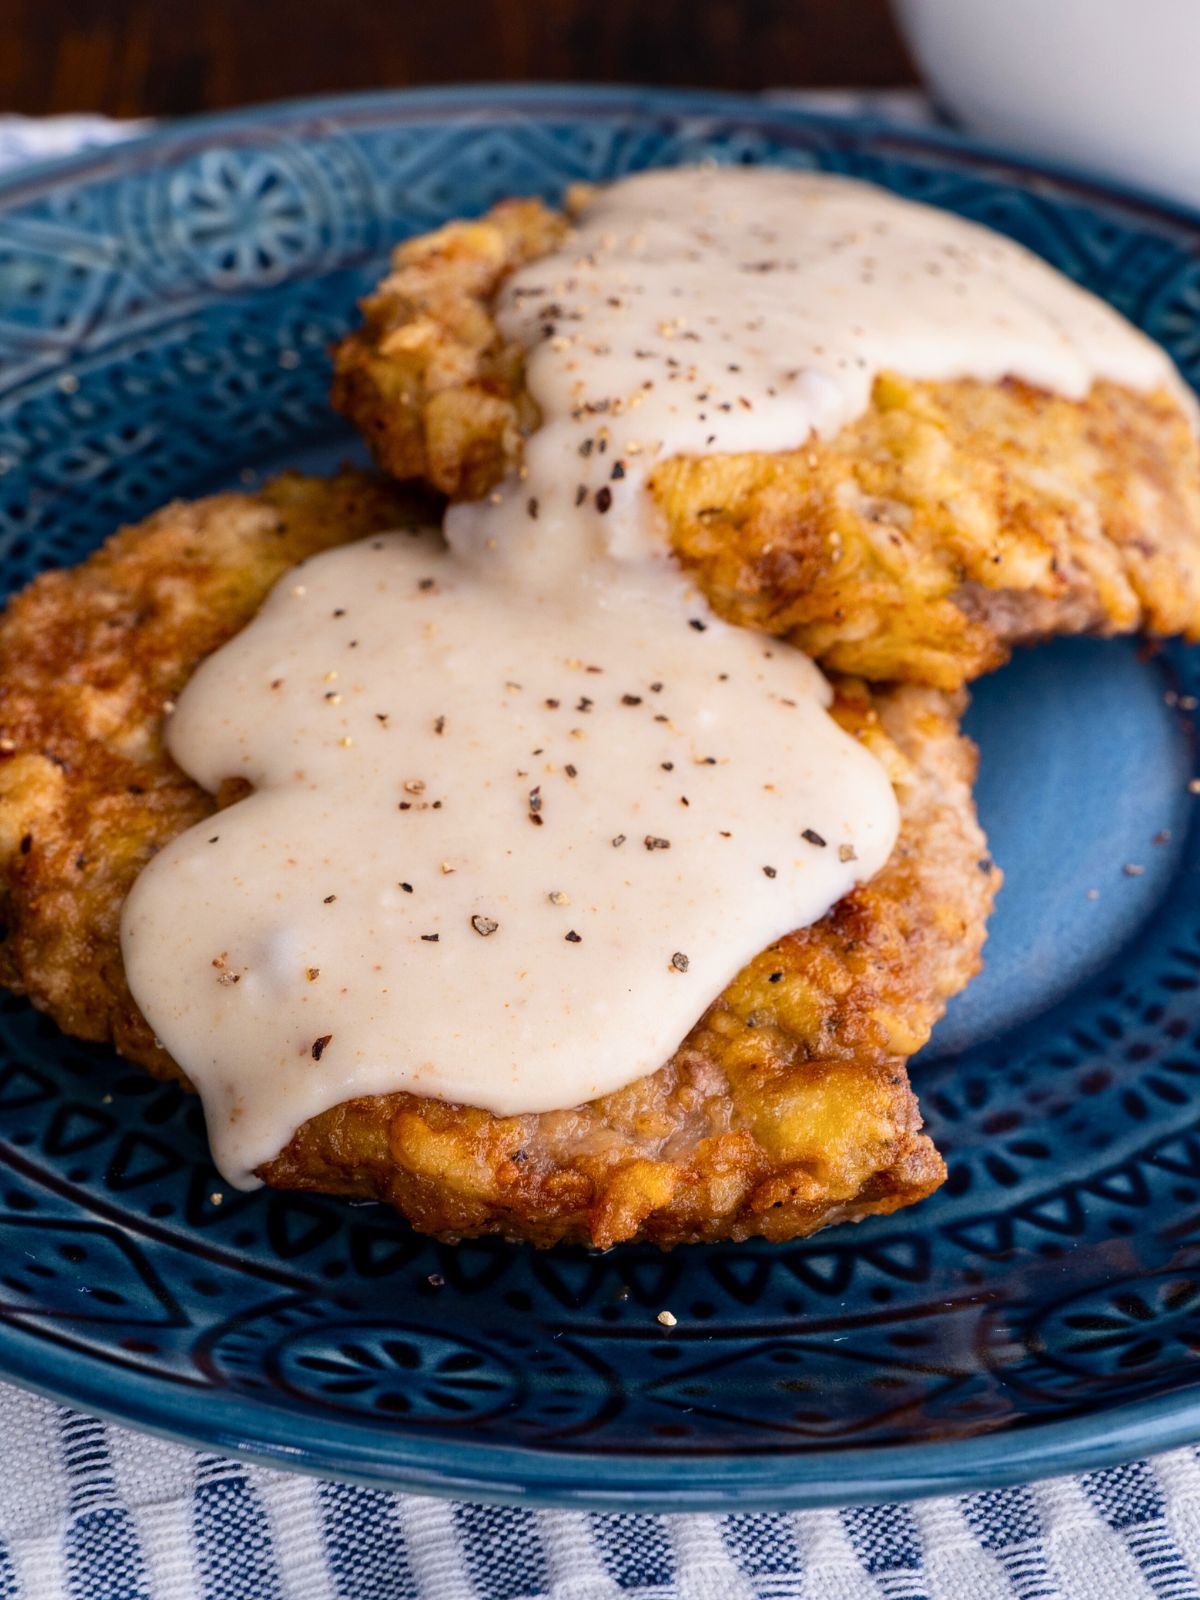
x: 786, y: 1108
x: 949, y: 522
x: 438, y: 394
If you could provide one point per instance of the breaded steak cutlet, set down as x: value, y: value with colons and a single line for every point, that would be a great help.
x: 947, y: 523
x: 786, y: 1108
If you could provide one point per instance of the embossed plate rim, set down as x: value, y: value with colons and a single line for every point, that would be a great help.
x: 509, y: 1472
x: 519, y: 1475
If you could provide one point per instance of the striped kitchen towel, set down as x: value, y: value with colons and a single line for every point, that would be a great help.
x: 93, y: 1512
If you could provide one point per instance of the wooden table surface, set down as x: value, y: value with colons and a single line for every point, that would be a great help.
x: 165, y: 57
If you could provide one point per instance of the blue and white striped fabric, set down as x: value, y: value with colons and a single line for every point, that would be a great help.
x: 92, y: 1512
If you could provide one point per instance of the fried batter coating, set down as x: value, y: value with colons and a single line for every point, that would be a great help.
x: 437, y: 392
x: 787, y: 1107
x: 948, y: 523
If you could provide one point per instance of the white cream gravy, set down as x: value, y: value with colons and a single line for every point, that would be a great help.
x: 522, y: 806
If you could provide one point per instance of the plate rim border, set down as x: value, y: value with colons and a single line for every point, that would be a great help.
x: 519, y: 1475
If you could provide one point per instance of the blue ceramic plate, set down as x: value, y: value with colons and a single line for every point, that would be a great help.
x: 165, y: 311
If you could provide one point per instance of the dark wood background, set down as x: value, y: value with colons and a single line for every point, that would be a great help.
x: 164, y: 57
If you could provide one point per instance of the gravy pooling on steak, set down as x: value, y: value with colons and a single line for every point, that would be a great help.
x: 523, y: 806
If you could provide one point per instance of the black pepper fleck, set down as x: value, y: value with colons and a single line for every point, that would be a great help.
x: 813, y: 837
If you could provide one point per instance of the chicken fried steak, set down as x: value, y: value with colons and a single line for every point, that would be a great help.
x: 786, y: 1108
x: 947, y: 522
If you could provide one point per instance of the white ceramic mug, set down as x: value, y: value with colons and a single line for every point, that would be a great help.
x: 1113, y: 85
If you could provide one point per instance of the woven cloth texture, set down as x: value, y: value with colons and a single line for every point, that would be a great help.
x: 94, y: 1512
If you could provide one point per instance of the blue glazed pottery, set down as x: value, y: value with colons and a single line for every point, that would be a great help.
x: 165, y: 314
